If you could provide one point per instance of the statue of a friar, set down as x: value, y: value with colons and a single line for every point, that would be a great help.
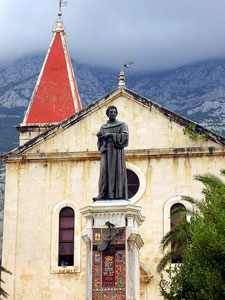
x: 112, y: 138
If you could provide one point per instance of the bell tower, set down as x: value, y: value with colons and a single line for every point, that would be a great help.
x: 55, y: 96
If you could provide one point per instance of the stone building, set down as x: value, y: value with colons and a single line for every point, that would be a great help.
x: 53, y: 174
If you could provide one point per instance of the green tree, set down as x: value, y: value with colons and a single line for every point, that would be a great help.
x: 2, y: 291
x: 201, y: 246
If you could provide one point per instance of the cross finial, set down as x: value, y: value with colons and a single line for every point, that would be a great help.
x: 61, y: 4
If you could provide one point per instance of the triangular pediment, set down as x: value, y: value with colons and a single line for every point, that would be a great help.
x: 151, y: 126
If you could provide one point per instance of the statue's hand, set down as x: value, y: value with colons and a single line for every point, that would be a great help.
x: 107, y: 136
x: 99, y: 134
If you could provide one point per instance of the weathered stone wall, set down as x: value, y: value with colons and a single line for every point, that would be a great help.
x: 148, y: 129
x: 65, y: 168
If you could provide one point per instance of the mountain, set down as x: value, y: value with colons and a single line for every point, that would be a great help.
x: 2, y: 191
x: 196, y: 91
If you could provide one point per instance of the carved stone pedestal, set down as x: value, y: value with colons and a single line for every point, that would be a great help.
x: 112, y: 269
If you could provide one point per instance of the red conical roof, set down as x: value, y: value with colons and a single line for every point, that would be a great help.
x: 55, y: 96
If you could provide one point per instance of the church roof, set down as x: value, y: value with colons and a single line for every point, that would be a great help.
x: 55, y: 96
x: 107, y: 98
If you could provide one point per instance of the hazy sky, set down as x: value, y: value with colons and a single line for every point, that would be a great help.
x: 155, y: 34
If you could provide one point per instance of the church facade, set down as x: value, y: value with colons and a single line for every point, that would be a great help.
x: 54, y: 174
x: 59, y: 168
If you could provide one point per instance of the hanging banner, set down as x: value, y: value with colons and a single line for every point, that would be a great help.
x: 109, y: 267
x: 108, y: 270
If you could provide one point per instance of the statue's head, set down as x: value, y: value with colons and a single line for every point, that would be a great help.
x: 110, y: 108
x: 112, y: 112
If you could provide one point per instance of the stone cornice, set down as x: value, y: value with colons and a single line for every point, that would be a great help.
x: 85, y: 237
x: 110, y: 206
x: 135, y: 238
x: 130, y: 154
x: 111, y: 210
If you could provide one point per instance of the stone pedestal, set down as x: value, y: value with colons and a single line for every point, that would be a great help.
x: 127, y: 218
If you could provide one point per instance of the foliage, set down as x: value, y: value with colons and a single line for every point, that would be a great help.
x: 47, y: 125
x: 2, y: 291
x: 202, y: 248
x: 193, y: 135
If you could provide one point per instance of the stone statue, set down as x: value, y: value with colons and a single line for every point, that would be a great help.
x: 112, y: 138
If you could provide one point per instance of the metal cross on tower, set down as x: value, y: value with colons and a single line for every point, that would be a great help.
x: 61, y: 4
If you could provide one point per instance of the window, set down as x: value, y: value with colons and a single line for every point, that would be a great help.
x: 173, y: 222
x: 65, y: 209
x: 136, y: 182
x: 133, y: 183
x: 66, y: 237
